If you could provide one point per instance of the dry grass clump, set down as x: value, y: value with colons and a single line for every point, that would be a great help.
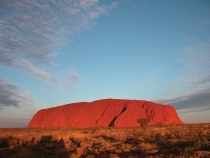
x: 152, y: 141
x: 149, y: 147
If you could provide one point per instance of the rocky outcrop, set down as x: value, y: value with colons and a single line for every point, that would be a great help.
x: 107, y: 112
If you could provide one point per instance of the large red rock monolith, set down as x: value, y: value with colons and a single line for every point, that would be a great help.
x: 107, y: 112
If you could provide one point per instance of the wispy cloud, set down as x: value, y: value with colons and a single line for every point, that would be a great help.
x: 20, y: 63
x: 205, y: 21
x: 191, y: 89
x: 30, y: 31
x: 73, y: 76
x: 194, y: 75
x: 193, y: 101
x: 71, y: 79
x: 12, y: 95
x: 193, y: 109
x: 88, y: 3
x: 204, y: 81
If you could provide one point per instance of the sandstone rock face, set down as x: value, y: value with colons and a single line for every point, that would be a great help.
x: 107, y: 112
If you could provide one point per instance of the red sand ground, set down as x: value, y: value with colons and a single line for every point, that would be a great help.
x: 107, y: 112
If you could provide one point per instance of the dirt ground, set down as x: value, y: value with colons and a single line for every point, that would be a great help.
x: 189, y: 140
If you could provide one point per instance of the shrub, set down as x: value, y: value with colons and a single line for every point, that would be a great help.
x: 159, y: 124
x: 142, y: 122
x: 3, y: 142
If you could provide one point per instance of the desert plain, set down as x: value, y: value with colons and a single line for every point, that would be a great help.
x: 186, y: 140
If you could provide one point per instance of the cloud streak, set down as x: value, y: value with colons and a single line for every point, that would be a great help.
x: 12, y: 95
x: 20, y: 63
x: 30, y: 31
x: 73, y: 76
x: 191, y: 89
x: 195, y: 72
x: 193, y: 109
x: 197, y: 101
x: 70, y: 80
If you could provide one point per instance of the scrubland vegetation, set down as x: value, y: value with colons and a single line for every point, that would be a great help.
x: 151, y: 141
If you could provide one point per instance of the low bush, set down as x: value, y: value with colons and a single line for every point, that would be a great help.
x: 142, y: 122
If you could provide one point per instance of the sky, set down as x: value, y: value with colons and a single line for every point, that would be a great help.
x: 55, y: 52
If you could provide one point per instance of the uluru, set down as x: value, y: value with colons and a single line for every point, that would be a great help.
x: 105, y: 113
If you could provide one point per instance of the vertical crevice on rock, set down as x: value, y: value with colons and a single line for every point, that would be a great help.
x: 102, y: 115
x: 112, y: 122
x: 143, y: 105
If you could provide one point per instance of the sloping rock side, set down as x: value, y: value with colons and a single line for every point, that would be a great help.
x: 107, y: 112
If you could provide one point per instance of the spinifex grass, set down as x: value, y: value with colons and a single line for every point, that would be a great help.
x: 160, y: 141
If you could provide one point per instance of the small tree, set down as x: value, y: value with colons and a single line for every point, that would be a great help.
x: 159, y: 124
x: 142, y: 122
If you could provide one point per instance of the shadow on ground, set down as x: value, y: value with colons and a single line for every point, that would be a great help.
x: 46, y: 148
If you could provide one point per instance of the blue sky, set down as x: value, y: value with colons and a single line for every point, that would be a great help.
x: 58, y: 52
